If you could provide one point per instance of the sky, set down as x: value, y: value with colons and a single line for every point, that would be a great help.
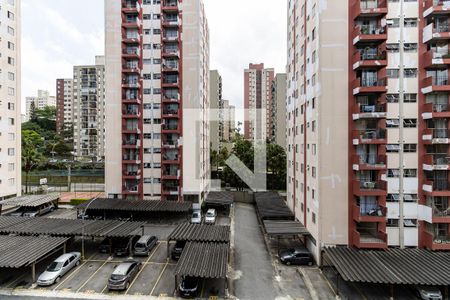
x: 58, y: 34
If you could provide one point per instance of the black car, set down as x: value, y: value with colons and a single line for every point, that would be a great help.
x: 105, y: 246
x: 296, y: 256
x: 189, y: 287
x: 122, y: 246
x: 178, y: 249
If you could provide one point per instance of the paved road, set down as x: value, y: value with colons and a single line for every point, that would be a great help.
x: 254, y: 271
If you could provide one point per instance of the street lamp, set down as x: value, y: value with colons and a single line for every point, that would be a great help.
x: 82, y: 226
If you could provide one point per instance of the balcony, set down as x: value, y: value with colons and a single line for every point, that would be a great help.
x: 170, y: 22
x: 169, y: 83
x: 130, y: 189
x: 170, y: 190
x: 131, y: 114
x: 131, y: 69
x: 169, y: 6
x: 171, y: 98
x: 170, y: 128
x: 132, y: 174
x: 170, y: 113
x: 432, y: 110
x: 441, y: 215
x: 131, y: 144
x: 435, y: 84
x: 369, y: 111
x: 170, y: 144
x: 369, y: 8
x: 436, y: 7
x: 432, y: 33
x: 170, y: 67
x: 433, y: 59
x: 131, y: 130
x: 369, y: 240
x: 170, y: 38
x: 131, y: 38
x: 373, y: 215
x: 170, y: 160
x: 432, y: 136
x: 436, y: 188
x: 369, y: 188
x: 369, y: 86
x: 369, y: 34
x: 131, y: 159
x: 130, y: 7
x: 369, y: 136
x: 372, y: 58
x: 170, y: 52
x: 131, y: 53
x: 131, y: 22
x: 171, y: 174
x: 369, y: 162
x: 433, y: 162
x: 131, y: 83
x: 436, y: 243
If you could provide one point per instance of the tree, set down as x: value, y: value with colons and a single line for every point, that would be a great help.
x: 31, y: 155
x: 276, y: 167
x: 33, y: 116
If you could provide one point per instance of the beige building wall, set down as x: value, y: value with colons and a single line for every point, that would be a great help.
x: 89, y: 110
x: 10, y: 106
x: 279, y: 110
x: 215, y: 99
x: 40, y: 101
x: 317, y: 177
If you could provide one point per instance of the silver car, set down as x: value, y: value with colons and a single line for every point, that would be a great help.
x: 196, y: 217
x: 210, y: 217
x: 123, y: 275
x: 428, y: 293
x: 58, y: 268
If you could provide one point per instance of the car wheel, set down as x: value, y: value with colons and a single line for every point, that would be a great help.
x: 58, y: 279
x: 310, y: 263
x: 288, y: 263
x: 127, y: 285
x: 77, y: 263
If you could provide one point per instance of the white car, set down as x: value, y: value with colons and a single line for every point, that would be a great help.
x: 196, y: 217
x: 428, y: 293
x: 210, y: 217
x: 58, y: 268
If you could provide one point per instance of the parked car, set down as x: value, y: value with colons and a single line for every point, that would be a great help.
x: 178, y: 249
x: 196, y: 217
x: 105, y: 246
x: 58, y: 268
x: 296, y: 256
x: 39, y: 211
x: 145, y: 245
x: 18, y: 213
x: 189, y: 287
x: 428, y: 293
x: 210, y: 217
x: 123, y: 275
x: 122, y: 246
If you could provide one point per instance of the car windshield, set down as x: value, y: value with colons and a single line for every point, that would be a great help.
x: 140, y: 245
x: 189, y: 283
x: 210, y: 214
x: 195, y: 215
x: 55, y: 266
x: 117, y: 277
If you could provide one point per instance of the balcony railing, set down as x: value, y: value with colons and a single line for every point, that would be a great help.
x: 371, y: 29
x: 371, y: 159
x: 441, y: 133
x: 130, y: 4
x: 372, y: 185
x: 441, y: 212
x: 130, y: 157
x: 371, y: 54
x: 440, y: 28
x: 170, y: 126
x: 371, y: 134
x: 170, y: 112
x: 366, y: 108
x: 365, y: 82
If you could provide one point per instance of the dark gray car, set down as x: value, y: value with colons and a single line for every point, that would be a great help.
x: 296, y: 256
x: 123, y: 275
x: 145, y: 245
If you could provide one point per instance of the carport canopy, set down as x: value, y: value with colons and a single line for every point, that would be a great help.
x: 203, y: 260
x: 124, y: 205
x: 391, y: 266
x: 200, y: 233
x: 280, y: 228
x: 22, y: 251
x: 271, y: 206
x: 219, y: 198
x: 31, y: 201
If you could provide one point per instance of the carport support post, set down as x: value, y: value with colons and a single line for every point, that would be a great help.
x: 392, y: 291
x: 446, y: 292
x: 33, y: 272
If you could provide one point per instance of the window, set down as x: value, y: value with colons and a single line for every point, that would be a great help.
x: 313, y: 172
x: 313, y: 218
x: 408, y: 98
x: 11, y: 106
x: 392, y: 223
x: 407, y: 173
x: 410, y: 22
x: 410, y: 73
x: 11, y: 167
x: 146, y: 16
x: 11, y: 151
x: 11, y: 61
x: 10, y: 15
x: 156, y: 31
x: 313, y: 34
x: 393, y: 23
x: 392, y: 148
x: 11, y: 76
x: 410, y: 148
x: 11, y: 46
x: 11, y: 30
x: 410, y: 47
x: 392, y: 73
x: 156, y: 16
x: 410, y: 123
x: 392, y: 47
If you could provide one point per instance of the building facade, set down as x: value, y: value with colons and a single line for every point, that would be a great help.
x: 64, y: 104
x: 215, y: 89
x: 40, y: 101
x: 258, y: 102
x: 279, y: 110
x: 349, y: 127
x: 227, y: 121
x: 89, y: 110
x: 157, y: 82
x: 10, y: 106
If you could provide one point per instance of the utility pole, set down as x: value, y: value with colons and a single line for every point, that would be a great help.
x: 401, y: 130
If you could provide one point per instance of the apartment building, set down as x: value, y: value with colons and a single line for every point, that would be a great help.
x: 157, y: 83
x: 279, y: 121
x: 64, y: 104
x: 227, y: 121
x: 258, y: 102
x: 349, y: 127
x: 10, y: 104
x: 89, y: 110
x: 215, y: 82
x: 40, y: 101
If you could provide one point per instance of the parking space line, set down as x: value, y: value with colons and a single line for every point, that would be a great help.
x: 140, y: 271
x: 15, y: 281
x: 90, y: 277
x: 106, y: 286
x: 159, y: 278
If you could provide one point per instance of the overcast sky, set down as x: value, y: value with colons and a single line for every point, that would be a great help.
x: 58, y: 34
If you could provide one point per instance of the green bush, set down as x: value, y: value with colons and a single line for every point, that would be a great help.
x: 78, y: 201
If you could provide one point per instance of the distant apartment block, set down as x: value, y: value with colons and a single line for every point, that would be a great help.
x: 258, y: 102
x: 40, y: 101
x: 227, y: 121
x: 157, y: 83
x: 10, y: 104
x: 344, y: 123
x: 279, y: 116
x: 215, y: 90
x: 64, y: 104
x: 89, y: 110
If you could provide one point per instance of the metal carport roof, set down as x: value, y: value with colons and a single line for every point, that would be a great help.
x: 271, y: 206
x: 283, y: 228
x: 30, y: 200
x: 21, y: 251
x: 222, y: 198
x: 201, y: 233
x: 204, y: 260
x: 109, y: 204
x: 392, y: 266
x: 65, y: 227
